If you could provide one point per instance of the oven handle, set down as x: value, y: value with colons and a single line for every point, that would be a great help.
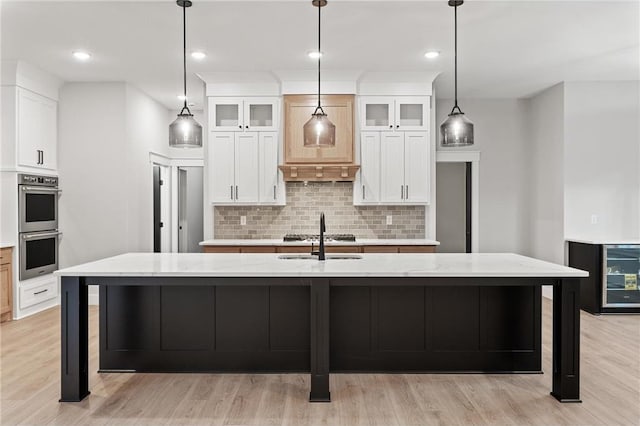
x: 41, y: 235
x: 41, y: 188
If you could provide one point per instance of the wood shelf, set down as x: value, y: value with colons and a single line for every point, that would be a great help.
x: 319, y: 172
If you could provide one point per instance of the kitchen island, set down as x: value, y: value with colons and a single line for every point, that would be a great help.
x: 166, y: 312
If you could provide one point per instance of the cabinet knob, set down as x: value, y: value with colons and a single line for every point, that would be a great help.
x: 246, y: 127
x: 397, y: 126
x: 391, y: 126
x: 240, y: 127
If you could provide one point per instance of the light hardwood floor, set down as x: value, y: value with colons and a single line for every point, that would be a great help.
x: 30, y: 367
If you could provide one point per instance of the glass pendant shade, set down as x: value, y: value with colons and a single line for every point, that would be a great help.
x: 319, y: 132
x: 456, y: 130
x: 185, y: 132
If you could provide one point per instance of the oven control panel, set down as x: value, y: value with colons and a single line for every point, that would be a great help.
x: 37, y: 180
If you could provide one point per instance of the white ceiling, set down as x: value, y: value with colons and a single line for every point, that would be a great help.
x: 506, y: 48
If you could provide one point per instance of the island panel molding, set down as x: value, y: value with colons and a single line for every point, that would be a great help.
x: 501, y: 288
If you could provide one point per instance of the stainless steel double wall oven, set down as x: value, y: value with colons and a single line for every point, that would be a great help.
x: 38, y: 224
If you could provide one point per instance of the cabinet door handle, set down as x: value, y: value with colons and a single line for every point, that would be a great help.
x: 231, y: 187
x: 40, y: 292
x: 41, y: 157
x: 363, y: 193
x: 236, y: 192
x: 406, y: 192
x: 402, y: 192
x: 274, y: 192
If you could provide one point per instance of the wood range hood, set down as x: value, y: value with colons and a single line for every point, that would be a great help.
x: 319, y: 164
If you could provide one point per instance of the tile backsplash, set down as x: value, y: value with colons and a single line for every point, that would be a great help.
x: 302, y: 213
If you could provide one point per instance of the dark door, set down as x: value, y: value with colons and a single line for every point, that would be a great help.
x: 157, y: 223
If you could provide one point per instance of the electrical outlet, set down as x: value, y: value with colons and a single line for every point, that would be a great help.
x: 389, y: 220
x: 594, y: 219
x: 243, y: 220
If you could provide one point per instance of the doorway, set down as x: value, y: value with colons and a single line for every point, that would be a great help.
x: 457, y: 201
x: 190, y: 209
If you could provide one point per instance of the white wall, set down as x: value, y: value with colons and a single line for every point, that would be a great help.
x: 602, y: 171
x: 545, y: 187
x: 106, y: 131
x: 93, y: 208
x: 146, y: 131
x: 501, y: 137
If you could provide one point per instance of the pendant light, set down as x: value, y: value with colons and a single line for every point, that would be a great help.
x: 457, y: 129
x: 319, y: 132
x: 185, y: 132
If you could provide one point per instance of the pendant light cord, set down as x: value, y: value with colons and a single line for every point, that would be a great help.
x: 184, y: 57
x: 319, y: 107
x: 455, y: 59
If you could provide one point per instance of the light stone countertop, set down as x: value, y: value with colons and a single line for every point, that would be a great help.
x: 4, y: 244
x: 357, y: 242
x: 603, y: 241
x: 369, y: 265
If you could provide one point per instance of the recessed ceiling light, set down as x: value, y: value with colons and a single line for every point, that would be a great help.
x: 198, y: 55
x: 81, y: 55
x: 315, y: 54
x: 432, y: 54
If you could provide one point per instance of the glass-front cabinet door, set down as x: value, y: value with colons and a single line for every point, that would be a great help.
x: 411, y: 113
x: 621, y: 270
x: 377, y: 113
x: 226, y: 114
x: 261, y: 114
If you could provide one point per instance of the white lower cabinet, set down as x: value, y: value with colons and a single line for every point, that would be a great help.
x: 37, y: 291
x: 394, y: 168
x: 243, y: 167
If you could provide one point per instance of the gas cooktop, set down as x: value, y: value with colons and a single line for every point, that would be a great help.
x: 316, y: 237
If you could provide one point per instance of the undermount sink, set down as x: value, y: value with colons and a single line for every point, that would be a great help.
x: 315, y: 257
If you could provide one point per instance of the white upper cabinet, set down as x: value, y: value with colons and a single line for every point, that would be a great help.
x: 369, y: 184
x: 243, y: 114
x: 243, y: 168
x: 395, y: 169
x: 394, y: 113
x: 36, y: 130
x: 270, y: 183
x: 377, y: 113
x: 221, y: 165
x: 416, y: 168
x: 392, y: 167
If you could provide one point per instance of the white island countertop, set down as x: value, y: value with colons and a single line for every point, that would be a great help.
x: 5, y: 244
x: 369, y: 265
x: 358, y: 242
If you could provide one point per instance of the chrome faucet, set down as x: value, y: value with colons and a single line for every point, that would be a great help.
x: 320, y: 252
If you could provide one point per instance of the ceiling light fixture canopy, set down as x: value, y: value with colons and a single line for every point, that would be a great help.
x: 185, y: 132
x: 319, y: 131
x: 457, y: 129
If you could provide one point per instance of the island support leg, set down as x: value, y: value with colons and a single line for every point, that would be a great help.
x: 320, y: 341
x: 566, y: 340
x: 74, y: 373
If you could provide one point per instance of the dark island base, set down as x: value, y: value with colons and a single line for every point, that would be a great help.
x: 371, y: 328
